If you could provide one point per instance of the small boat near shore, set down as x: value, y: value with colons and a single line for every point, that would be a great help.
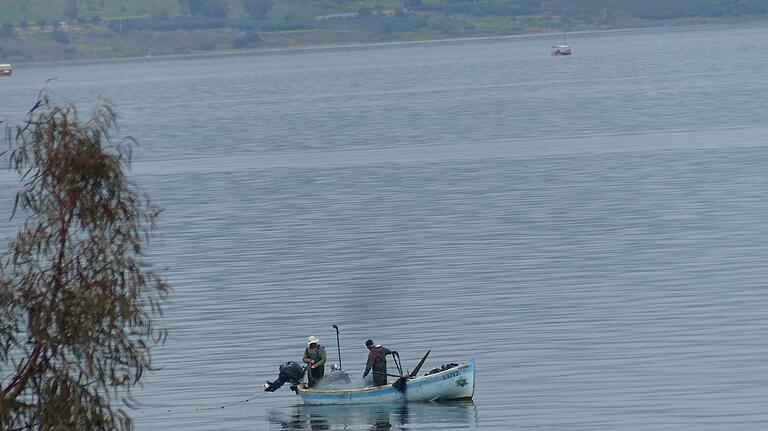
x: 564, y: 49
x: 559, y: 50
x: 5, y: 70
x: 451, y: 383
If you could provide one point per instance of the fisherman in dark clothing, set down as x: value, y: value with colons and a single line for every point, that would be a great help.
x: 314, y: 357
x: 377, y: 361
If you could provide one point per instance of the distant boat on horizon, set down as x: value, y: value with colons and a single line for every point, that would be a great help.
x: 564, y: 49
x: 5, y: 70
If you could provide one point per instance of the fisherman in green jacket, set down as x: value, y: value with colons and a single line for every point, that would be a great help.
x: 314, y: 357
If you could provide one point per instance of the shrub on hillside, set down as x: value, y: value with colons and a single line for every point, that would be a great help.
x: 61, y: 37
x: 258, y: 9
x: 285, y: 25
x: 412, y: 4
x: 364, y: 12
x: 209, y: 8
x: 249, y: 39
x: 6, y: 30
x: 71, y: 10
x: 181, y: 23
x: 379, y: 24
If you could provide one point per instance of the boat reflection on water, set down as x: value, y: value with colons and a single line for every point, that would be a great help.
x: 377, y: 417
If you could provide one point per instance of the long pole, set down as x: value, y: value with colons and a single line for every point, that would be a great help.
x: 338, y: 345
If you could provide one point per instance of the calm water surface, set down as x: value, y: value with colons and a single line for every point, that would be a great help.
x: 592, y: 230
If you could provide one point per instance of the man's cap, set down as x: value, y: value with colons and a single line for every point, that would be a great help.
x: 312, y: 339
x: 368, y: 343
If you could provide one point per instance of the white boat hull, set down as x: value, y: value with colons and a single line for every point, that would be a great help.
x: 456, y: 383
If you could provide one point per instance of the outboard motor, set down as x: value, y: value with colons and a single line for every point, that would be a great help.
x: 290, y: 372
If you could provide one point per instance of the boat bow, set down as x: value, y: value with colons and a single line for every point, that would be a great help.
x: 454, y: 383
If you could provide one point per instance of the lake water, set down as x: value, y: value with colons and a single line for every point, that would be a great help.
x: 592, y: 230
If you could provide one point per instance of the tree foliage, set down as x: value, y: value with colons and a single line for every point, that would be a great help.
x: 6, y: 30
x: 61, y: 37
x: 181, y: 23
x: 258, y: 9
x: 77, y: 299
x: 71, y: 11
x: 209, y: 8
x: 206, y: 8
x: 249, y: 39
x: 650, y: 9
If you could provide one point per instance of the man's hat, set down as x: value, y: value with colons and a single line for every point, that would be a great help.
x: 368, y: 343
x: 312, y: 339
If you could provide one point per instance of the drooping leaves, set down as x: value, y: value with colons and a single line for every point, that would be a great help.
x: 77, y: 301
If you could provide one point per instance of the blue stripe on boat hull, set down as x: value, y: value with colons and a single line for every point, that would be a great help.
x: 455, y: 383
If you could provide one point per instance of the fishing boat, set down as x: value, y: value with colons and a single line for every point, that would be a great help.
x: 452, y: 383
x: 5, y: 70
x: 449, y: 382
x: 564, y: 49
x: 559, y: 50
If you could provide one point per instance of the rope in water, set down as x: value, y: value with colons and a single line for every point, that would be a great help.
x: 234, y: 403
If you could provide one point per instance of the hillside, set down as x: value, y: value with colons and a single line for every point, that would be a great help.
x: 68, y: 29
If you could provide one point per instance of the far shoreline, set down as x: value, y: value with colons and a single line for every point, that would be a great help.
x: 715, y: 24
